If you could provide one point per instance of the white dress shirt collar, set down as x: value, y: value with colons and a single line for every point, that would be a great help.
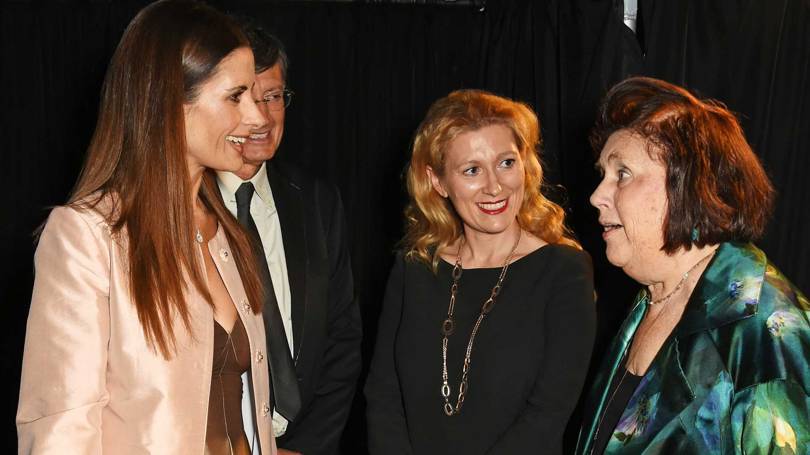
x: 229, y: 183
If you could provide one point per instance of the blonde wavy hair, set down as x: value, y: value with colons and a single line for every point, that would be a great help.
x: 432, y: 222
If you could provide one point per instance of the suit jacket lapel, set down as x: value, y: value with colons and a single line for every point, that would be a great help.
x: 289, y: 204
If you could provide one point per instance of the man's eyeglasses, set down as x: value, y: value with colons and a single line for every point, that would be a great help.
x: 276, y: 100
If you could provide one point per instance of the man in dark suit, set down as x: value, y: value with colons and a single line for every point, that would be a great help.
x: 311, y: 318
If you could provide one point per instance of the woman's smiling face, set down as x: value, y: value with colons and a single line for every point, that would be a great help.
x: 632, y: 204
x: 483, y: 177
x: 220, y: 119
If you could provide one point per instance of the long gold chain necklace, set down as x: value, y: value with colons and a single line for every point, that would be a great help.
x: 448, y: 326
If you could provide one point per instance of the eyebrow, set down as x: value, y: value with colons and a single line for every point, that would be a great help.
x: 238, y: 88
x: 613, y: 155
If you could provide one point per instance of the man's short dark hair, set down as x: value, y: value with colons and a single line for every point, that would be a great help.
x: 267, y: 48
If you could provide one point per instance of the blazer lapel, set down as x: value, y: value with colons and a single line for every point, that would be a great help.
x: 612, y: 362
x: 289, y: 204
x: 728, y: 291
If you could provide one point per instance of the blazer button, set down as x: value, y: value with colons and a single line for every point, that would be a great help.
x: 259, y: 357
x: 223, y: 253
x: 265, y: 409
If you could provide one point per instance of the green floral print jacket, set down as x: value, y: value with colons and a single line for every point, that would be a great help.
x: 732, y: 378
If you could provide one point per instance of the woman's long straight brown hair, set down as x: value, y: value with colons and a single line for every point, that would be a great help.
x: 137, y: 161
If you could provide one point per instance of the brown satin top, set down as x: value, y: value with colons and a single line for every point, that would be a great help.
x: 226, y: 435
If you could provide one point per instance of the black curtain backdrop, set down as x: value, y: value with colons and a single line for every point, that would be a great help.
x: 364, y: 76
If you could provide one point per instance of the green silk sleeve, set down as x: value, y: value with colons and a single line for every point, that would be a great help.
x: 772, y: 418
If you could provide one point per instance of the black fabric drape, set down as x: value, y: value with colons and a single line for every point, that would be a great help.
x: 364, y: 76
x: 755, y: 57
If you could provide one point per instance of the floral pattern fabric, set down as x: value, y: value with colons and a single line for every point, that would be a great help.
x: 734, y: 376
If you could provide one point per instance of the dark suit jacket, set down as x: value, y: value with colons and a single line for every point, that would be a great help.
x: 325, y: 317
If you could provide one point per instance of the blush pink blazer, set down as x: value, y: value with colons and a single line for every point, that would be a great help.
x: 90, y: 383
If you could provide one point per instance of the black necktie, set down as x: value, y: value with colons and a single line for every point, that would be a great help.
x: 284, y: 387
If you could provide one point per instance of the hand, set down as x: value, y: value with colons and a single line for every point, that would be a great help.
x: 288, y: 452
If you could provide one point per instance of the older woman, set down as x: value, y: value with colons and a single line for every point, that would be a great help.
x: 488, y: 320
x: 713, y: 357
x: 146, y: 310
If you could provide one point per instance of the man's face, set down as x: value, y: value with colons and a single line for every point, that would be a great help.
x: 263, y: 142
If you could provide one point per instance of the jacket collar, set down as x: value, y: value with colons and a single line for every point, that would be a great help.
x: 727, y: 292
x: 229, y: 182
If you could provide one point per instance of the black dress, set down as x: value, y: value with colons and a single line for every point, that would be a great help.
x: 528, y: 362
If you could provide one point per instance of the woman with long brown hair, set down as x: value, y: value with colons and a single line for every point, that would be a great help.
x: 488, y: 320
x: 146, y: 309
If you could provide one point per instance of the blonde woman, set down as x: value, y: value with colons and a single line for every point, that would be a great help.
x: 488, y: 321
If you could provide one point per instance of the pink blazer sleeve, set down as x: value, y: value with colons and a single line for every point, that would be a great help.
x: 62, y: 390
